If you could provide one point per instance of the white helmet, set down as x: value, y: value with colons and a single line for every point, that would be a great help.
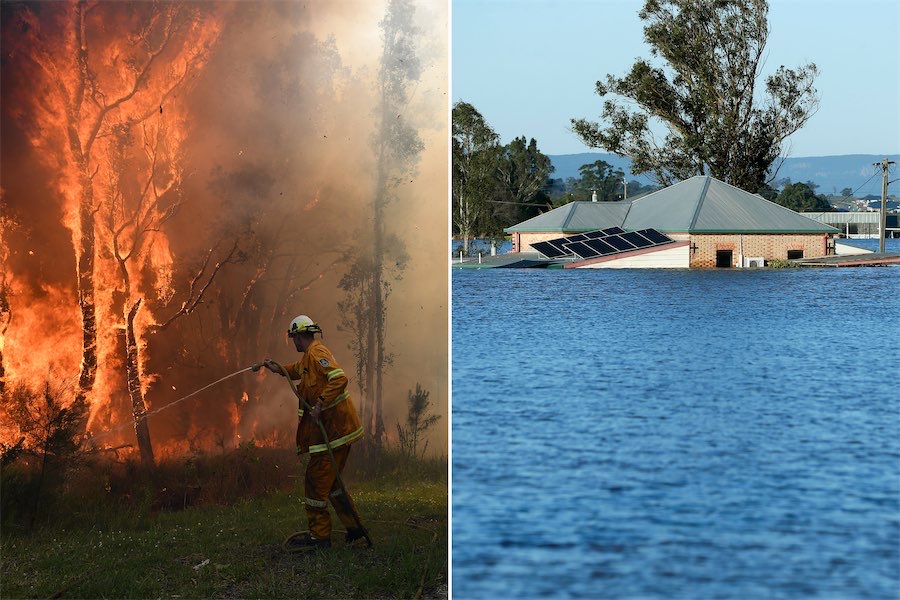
x: 303, y: 324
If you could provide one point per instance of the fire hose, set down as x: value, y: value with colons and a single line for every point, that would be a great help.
x: 337, y: 472
x: 362, y: 531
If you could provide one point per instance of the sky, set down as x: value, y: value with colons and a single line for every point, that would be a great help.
x: 530, y: 66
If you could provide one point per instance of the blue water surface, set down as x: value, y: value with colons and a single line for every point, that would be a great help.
x: 676, y: 433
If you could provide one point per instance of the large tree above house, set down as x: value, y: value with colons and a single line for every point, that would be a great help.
x: 697, y: 108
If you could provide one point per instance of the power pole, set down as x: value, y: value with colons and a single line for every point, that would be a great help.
x: 882, y: 227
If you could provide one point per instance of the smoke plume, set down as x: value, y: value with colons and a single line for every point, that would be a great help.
x: 261, y: 157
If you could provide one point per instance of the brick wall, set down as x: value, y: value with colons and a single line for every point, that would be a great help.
x: 769, y: 246
x: 526, y: 239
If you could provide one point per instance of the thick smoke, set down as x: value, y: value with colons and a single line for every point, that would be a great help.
x: 279, y: 179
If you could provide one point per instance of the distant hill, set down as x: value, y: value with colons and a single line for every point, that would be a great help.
x: 831, y: 173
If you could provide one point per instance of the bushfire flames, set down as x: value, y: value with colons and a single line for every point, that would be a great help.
x: 173, y: 193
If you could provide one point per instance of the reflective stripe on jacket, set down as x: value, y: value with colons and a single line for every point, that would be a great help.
x: 323, y: 381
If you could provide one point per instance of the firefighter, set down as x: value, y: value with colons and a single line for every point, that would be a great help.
x: 323, y: 385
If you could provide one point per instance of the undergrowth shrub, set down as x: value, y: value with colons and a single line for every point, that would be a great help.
x: 102, y: 492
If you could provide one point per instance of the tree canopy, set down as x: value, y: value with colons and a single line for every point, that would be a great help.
x: 802, y: 197
x: 494, y: 185
x: 597, y: 176
x: 705, y: 97
x: 475, y: 153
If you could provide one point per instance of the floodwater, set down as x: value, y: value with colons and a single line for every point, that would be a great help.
x: 676, y: 434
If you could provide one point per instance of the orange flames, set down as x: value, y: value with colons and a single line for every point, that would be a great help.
x: 178, y: 171
x: 106, y: 117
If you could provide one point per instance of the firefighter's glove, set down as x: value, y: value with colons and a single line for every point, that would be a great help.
x: 269, y: 364
x: 316, y: 411
x: 273, y: 366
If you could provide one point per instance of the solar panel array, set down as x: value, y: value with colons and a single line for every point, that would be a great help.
x: 603, y: 242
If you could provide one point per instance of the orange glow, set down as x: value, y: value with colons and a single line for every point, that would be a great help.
x: 132, y: 166
x: 312, y: 203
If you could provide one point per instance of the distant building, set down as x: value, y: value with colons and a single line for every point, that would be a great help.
x: 714, y: 224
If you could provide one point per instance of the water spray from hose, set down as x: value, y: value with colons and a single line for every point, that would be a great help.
x: 171, y: 404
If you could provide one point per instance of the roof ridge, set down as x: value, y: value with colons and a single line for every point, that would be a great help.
x: 700, y: 203
x: 569, y: 215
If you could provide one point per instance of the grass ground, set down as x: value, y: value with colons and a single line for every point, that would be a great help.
x: 234, y: 550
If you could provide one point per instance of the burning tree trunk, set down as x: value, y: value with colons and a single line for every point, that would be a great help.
x: 132, y: 369
x: 5, y: 307
x: 98, y: 81
x: 80, y: 152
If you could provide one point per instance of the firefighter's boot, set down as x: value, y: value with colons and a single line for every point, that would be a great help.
x: 304, y: 542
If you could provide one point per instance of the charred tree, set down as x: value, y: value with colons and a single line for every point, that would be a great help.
x: 5, y: 306
x: 132, y: 370
x: 95, y: 81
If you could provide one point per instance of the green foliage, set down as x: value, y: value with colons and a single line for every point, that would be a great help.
x: 767, y: 192
x: 118, y: 547
x: 476, y: 153
x: 598, y: 176
x: 703, y: 97
x: 777, y: 263
x: 417, y: 423
x: 523, y: 174
x: 802, y: 197
x: 493, y: 186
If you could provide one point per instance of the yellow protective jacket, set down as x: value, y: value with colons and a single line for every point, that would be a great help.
x: 322, y: 381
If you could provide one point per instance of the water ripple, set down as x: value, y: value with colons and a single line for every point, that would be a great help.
x: 685, y: 434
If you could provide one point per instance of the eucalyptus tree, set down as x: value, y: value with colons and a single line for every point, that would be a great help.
x: 599, y: 176
x: 523, y: 173
x: 102, y: 88
x: 476, y: 155
x: 803, y: 197
x: 397, y: 149
x: 705, y: 97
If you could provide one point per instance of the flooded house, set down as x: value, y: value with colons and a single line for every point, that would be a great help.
x: 700, y: 222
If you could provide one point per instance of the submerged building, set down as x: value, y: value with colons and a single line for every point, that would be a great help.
x: 708, y: 223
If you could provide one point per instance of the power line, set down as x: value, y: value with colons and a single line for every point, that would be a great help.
x: 875, y: 174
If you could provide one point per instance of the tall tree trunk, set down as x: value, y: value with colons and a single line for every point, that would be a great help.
x: 372, y: 415
x: 85, y: 247
x: 132, y: 368
x: 86, y: 300
x: 5, y: 318
x: 138, y: 405
x: 378, y: 309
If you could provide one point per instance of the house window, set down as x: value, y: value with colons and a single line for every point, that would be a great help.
x: 795, y: 254
x: 723, y: 258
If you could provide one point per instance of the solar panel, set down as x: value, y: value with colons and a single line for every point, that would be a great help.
x: 582, y: 249
x: 602, y: 242
x: 549, y: 250
x: 637, y: 239
x: 655, y: 236
x: 619, y: 242
x: 601, y: 247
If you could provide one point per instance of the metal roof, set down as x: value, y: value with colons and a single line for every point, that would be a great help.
x: 576, y: 217
x: 703, y: 204
x: 700, y: 204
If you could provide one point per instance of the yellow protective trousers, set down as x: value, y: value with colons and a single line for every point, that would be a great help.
x: 320, y: 487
